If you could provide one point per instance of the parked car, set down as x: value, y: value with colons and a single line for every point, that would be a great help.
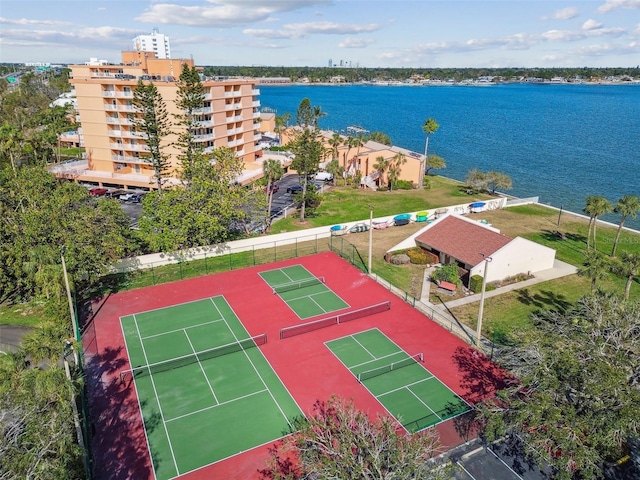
x: 98, y: 191
x: 128, y: 195
x: 137, y: 198
x: 115, y: 193
x: 274, y: 188
x: 298, y: 188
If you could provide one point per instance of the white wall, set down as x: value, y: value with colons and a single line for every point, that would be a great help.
x: 518, y: 256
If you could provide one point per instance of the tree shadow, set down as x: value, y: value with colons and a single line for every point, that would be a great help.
x: 513, y: 452
x: 118, y: 441
x: 481, y: 377
x: 544, y: 300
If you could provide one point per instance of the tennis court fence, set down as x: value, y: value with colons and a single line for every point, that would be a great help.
x: 405, y: 362
x: 294, y: 330
x: 307, y: 282
x: 144, y: 370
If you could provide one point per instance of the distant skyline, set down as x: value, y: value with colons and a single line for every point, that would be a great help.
x: 360, y: 33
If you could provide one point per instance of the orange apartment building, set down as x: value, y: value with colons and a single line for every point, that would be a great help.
x: 115, y: 152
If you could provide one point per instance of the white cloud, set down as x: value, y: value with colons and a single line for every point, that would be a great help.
x: 610, y: 5
x: 301, y: 30
x: 350, y: 42
x: 564, y: 14
x: 27, y: 22
x: 222, y: 13
x: 591, y: 25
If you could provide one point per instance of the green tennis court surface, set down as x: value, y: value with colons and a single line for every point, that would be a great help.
x: 399, y: 381
x: 304, y: 293
x: 201, y: 403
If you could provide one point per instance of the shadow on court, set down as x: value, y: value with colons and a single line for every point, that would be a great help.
x: 119, y: 444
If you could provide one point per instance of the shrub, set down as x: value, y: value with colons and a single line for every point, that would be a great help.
x: 403, y: 185
x: 475, y: 283
x: 447, y: 273
x: 418, y: 256
x: 426, y: 183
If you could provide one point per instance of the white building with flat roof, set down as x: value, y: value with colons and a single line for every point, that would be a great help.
x: 155, y: 42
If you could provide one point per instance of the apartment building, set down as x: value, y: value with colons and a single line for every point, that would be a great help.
x: 155, y: 42
x: 117, y: 155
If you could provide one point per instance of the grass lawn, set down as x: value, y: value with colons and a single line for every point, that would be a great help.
x: 28, y: 314
x: 343, y: 204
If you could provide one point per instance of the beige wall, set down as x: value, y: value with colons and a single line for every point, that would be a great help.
x: 105, y: 108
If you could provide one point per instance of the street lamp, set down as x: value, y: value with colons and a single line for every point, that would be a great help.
x: 370, y: 235
x: 487, y: 261
x: 74, y: 324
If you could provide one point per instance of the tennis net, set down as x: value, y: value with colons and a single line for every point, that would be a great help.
x: 285, y: 287
x: 178, y: 362
x: 405, y: 362
x: 294, y: 330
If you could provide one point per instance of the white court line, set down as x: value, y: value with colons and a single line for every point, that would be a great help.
x: 155, y: 391
x: 365, y: 348
x: 420, y: 400
x: 251, y: 362
x: 181, y: 329
x: 403, y: 387
x: 216, y: 406
x: 144, y: 429
x: 201, y: 367
x: 379, y: 358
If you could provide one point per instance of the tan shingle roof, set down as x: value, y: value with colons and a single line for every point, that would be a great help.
x: 463, y: 240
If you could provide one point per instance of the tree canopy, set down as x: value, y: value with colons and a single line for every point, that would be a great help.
x: 577, y: 402
x: 39, y: 215
x: 339, y: 441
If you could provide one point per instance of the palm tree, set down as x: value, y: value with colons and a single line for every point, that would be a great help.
x: 595, y: 267
x: 335, y: 169
x: 381, y: 166
x: 594, y: 207
x: 395, y: 168
x: 627, y: 206
x: 335, y: 141
x: 317, y: 114
x: 272, y: 170
x: 429, y: 127
x: 628, y: 266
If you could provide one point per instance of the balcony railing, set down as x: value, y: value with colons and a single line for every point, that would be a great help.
x: 136, y: 147
x: 255, y: 103
x: 202, y: 138
x: 255, y: 91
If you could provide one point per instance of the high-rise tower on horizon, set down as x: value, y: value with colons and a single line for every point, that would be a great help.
x: 155, y: 42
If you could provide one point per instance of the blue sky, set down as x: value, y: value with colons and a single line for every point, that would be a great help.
x: 364, y: 33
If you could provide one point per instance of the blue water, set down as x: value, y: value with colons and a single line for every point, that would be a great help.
x: 559, y: 142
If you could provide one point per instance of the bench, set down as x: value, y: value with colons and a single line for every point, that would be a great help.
x: 446, y: 287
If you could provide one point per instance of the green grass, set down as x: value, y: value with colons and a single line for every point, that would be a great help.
x: 344, y: 204
x: 29, y: 314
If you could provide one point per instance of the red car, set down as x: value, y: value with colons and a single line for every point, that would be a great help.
x: 98, y: 191
x: 274, y: 188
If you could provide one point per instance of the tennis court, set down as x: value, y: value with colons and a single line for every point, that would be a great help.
x: 205, y: 391
x: 397, y: 379
x: 304, y: 293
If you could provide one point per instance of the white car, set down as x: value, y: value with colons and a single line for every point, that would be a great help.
x: 324, y: 177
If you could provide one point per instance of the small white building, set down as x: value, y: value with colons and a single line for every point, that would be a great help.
x: 467, y: 243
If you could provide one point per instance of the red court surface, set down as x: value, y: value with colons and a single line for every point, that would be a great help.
x: 307, y: 368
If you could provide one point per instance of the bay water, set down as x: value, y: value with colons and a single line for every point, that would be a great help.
x: 558, y: 142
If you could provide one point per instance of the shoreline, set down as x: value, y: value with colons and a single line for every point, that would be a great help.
x: 441, y: 84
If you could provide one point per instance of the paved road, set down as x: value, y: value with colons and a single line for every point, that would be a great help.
x: 11, y: 336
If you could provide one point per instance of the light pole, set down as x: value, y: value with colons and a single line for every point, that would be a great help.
x: 487, y: 261
x: 370, y: 235
x: 66, y: 284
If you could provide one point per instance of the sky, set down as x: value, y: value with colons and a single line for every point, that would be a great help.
x: 358, y: 33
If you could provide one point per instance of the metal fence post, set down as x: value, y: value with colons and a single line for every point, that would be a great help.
x: 153, y: 274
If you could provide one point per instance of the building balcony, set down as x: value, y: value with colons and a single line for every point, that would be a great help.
x: 205, y: 123
x: 255, y: 103
x: 131, y: 159
x: 256, y: 114
x: 203, y: 110
x: 257, y: 137
x: 208, y: 96
x: 205, y: 137
x: 116, y: 94
x: 136, y: 147
x: 255, y: 91
x: 125, y: 134
x: 233, y: 143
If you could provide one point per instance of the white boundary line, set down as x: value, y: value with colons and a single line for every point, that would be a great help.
x: 144, y: 428
x: 204, y: 299
x: 164, y: 424
x: 180, y: 329
x: 249, y: 358
x: 379, y: 358
x: 217, y: 405
x: 195, y: 354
